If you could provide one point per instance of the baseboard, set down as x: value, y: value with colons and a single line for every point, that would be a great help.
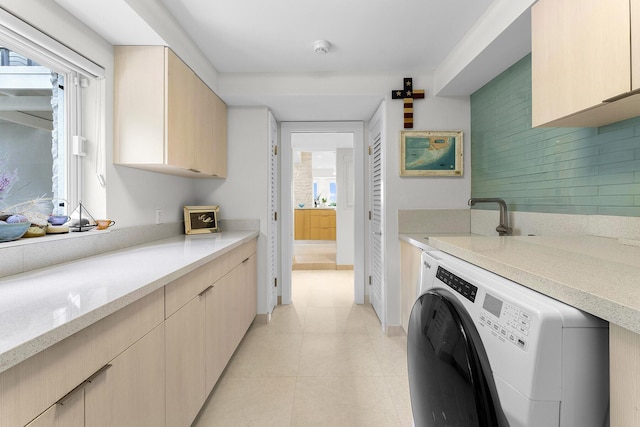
x: 395, y: 331
x: 261, y: 319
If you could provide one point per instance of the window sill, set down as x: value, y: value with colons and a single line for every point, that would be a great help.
x: 31, y: 253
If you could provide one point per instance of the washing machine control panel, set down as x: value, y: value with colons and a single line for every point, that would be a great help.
x: 506, y: 320
x: 458, y: 284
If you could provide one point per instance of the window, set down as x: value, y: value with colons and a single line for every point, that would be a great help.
x: 32, y: 122
x: 41, y: 117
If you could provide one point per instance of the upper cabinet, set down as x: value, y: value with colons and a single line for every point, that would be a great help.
x: 166, y: 119
x: 585, y: 62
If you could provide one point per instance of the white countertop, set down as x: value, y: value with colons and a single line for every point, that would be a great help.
x: 42, y: 307
x: 598, y: 275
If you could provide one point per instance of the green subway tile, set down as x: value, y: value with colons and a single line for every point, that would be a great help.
x: 553, y: 170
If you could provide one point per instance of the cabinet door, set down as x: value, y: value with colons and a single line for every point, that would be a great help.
x: 181, y: 108
x: 220, y: 136
x: 68, y: 414
x: 301, y: 224
x: 219, y: 327
x: 211, y: 127
x: 250, y: 291
x: 635, y: 44
x: 131, y: 391
x: 580, y: 55
x: 185, y: 380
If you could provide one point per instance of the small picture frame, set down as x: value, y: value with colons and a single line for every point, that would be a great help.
x: 431, y: 153
x: 201, y: 219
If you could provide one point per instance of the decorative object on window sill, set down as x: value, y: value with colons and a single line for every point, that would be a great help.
x: 201, y: 219
x: 81, y: 219
x: 408, y: 94
x: 12, y: 231
x: 34, y: 212
x: 431, y: 153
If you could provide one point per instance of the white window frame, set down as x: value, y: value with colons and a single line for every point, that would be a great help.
x: 27, y: 40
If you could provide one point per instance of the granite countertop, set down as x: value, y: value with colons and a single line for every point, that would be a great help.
x: 598, y: 275
x: 42, y: 307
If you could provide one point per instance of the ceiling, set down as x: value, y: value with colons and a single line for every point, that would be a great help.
x: 277, y: 38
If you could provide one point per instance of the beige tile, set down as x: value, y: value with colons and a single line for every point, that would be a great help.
x: 398, y: 387
x: 338, y: 355
x: 285, y: 319
x: 277, y: 356
x: 334, y: 320
x: 392, y: 354
x: 238, y: 402
x: 339, y: 401
x: 345, y: 371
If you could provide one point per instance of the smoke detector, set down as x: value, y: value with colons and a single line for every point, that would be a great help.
x: 321, y: 47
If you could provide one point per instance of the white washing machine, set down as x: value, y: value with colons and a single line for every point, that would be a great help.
x: 486, y: 351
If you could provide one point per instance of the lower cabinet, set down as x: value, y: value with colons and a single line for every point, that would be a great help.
x: 131, y: 391
x: 68, y: 414
x: 210, y: 326
x: 185, y: 388
x: 126, y: 392
x: 143, y: 365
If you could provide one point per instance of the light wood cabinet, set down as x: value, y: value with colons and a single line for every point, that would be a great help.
x: 185, y: 386
x: 131, y: 391
x: 140, y: 366
x: 582, y: 55
x: 210, y: 325
x: 70, y: 414
x: 315, y: 224
x: 31, y: 387
x: 165, y: 118
x: 624, y: 361
x: 409, y: 279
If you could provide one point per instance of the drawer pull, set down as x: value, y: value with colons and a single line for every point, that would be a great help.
x: 245, y: 260
x: 205, y: 291
x: 66, y: 397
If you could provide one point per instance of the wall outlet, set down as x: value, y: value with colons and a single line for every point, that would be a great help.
x: 159, y: 216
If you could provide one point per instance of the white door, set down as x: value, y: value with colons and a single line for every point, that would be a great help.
x: 376, y: 223
x: 272, y: 252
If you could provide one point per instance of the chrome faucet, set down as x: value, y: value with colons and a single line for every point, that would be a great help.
x: 503, y: 228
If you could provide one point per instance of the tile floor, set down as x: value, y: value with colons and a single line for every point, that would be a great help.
x: 321, y: 361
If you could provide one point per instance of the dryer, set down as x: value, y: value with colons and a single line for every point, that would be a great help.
x: 486, y: 351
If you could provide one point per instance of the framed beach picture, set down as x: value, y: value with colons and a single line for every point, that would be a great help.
x: 431, y: 153
x: 201, y: 219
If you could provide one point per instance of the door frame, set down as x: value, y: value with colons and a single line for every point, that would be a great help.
x: 286, y: 199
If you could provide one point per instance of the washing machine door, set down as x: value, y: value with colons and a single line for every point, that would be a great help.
x: 450, y: 379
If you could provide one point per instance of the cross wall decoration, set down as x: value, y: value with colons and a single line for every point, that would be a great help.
x: 408, y: 94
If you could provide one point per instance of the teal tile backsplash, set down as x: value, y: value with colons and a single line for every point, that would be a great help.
x: 585, y: 171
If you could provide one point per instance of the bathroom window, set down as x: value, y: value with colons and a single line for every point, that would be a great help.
x: 41, y: 117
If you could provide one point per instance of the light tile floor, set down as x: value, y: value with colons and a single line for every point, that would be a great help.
x: 321, y: 361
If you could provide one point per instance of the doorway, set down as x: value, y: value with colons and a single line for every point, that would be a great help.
x: 297, y: 137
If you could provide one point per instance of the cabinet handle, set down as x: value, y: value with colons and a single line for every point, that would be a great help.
x: 621, y: 96
x: 195, y: 170
x: 206, y: 290
x: 246, y: 260
x: 66, y: 397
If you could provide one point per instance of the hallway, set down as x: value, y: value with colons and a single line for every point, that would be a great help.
x: 321, y: 361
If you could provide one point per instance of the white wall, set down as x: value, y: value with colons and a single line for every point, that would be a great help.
x: 400, y: 193
x: 244, y: 193
x: 345, y: 212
